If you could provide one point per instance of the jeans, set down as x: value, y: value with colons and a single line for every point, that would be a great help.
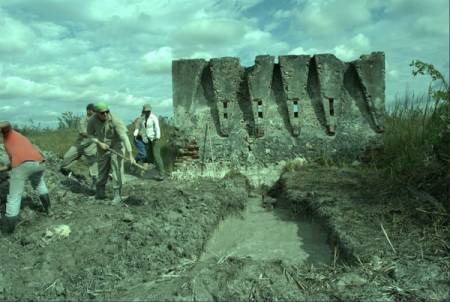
x: 28, y: 170
x: 141, y: 148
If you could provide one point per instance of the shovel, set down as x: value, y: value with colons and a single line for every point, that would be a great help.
x: 127, y: 159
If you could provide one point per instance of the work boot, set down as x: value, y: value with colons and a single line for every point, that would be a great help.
x: 8, y: 224
x: 100, y: 193
x: 45, y: 201
x: 161, y: 176
x: 117, y: 197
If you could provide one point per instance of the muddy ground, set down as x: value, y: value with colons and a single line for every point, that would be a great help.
x: 149, y: 249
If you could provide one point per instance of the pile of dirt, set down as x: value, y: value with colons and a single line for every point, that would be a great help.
x: 89, y: 249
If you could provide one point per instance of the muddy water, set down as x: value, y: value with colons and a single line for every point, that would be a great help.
x: 263, y: 234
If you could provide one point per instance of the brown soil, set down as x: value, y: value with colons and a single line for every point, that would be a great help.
x: 150, y: 248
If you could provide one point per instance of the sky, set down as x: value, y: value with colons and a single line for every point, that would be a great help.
x: 56, y: 55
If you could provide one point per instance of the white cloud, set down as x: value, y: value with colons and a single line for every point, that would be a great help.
x: 96, y: 75
x: 50, y: 30
x: 347, y: 51
x: 158, y: 61
x: 282, y: 14
x: 201, y: 55
x: 15, y: 87
x: 323, y: 17
x: 357, y: 45
x: 6, y: 108
x: 431, y: 24
x: 15, y: 36
x: 210, y: 32
x: 301, y: 51
x: 64, y: 47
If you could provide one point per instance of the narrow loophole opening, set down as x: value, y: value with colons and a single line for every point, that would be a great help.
x: 295, y: 109
x: 260, y: 109
x: 331, y: 105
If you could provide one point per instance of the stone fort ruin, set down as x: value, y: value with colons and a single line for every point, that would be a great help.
x: 301, y: 106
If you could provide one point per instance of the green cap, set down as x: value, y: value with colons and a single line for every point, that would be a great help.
x: 101, y: 106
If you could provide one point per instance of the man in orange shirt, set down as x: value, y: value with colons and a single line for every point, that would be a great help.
x: 25, y: 163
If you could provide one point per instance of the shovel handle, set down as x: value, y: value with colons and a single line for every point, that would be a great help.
x: 127, y: 159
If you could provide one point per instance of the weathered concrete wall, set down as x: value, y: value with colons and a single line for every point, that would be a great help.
x: 301, y: 106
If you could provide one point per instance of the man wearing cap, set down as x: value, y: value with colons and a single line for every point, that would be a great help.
x: 26, y: 163
x: 83, y: 146
x: 147, y: 125
x: 110, y: 135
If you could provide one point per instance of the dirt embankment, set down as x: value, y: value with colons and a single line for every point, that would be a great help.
x: 394, y: 239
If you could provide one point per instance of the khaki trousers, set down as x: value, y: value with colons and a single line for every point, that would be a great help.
x: 77, y: 151
x: 109, y: 162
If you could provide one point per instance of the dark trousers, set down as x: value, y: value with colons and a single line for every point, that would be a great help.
x: 154, y: 147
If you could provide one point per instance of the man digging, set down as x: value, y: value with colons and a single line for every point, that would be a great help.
x: 26, y: 163
x: 109, y: 133
x: 83, y: 146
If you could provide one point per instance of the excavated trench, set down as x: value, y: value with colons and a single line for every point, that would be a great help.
x: 268, y: 234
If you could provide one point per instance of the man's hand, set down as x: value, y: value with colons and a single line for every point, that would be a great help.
x: 132, y: 160
x: 103, y: 146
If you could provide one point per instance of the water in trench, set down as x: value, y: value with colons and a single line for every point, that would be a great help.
x: 263, y: 234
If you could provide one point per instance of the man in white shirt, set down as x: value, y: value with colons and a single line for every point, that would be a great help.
x: 147, y: 126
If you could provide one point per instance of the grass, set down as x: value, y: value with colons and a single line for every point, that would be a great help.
x: 57, y: 141
x: 416, y: 146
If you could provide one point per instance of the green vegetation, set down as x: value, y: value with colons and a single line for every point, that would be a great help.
x: 417, y: 141
x: 57, y: 141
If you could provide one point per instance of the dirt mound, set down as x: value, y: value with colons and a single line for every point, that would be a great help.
x: 88, y: 249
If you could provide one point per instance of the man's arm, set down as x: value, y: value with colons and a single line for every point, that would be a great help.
x: 122, y: 133
x: 136, y: 125
x: 82, y: 127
